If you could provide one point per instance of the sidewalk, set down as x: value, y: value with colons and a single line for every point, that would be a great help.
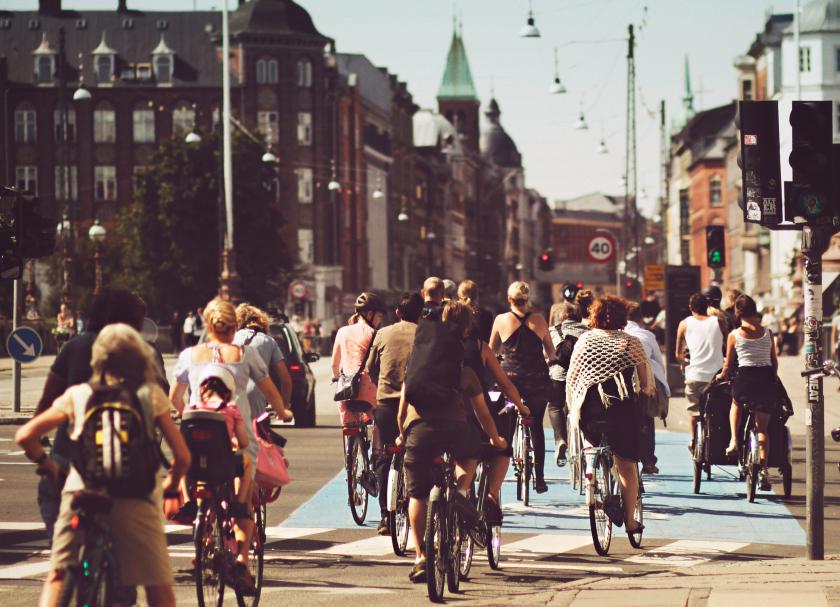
x: 762, y: 582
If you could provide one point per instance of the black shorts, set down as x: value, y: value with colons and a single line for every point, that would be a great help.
x: 756, y: 388
x: 426, y: 440
x: 505, y: 424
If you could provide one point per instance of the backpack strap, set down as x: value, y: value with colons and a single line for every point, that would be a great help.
x: 216, y: 353
x: 250, y: 338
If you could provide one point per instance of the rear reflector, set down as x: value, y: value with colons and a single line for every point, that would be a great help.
x: 201, y: 435
x: 295, y: 367
x: 438, y: 460
x: 350, y: 431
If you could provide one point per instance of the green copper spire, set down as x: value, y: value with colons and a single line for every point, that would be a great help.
x: 457, y: 79
x: 688, y: 99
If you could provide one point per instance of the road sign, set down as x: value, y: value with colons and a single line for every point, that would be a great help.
x: 654, y: 277
x: 601, y: 248
x: 24, y: 345
x: 298, y: 289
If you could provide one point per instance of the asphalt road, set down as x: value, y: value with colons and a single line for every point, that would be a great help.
x: 318, y: 554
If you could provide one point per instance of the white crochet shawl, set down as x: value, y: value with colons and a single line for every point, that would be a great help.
x: 600, y: 355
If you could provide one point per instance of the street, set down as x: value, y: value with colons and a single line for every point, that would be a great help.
x: 693, y: 545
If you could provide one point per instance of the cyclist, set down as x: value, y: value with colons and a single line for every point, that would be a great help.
x: 755, y: 384
x: 584, y: 300
x: 523, y: 335
x: 253, y: 331
x: 429, y: 432
x: 216, y: 388
x: 566, y: 327
x: 432, y: 292
x: 351, y: 347
x: 608, y: 370
x: 119, y: 354
x: 479, y: 358
x: 386, y: 367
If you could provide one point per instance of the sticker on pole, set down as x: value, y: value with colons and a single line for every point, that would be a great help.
x: 24, y: 345
x: 600, y: 248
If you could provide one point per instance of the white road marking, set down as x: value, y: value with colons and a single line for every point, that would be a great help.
x: 15, y: 526
x: 545, y: 544
x: 16, y: 572
x: 685, y: 553
x: 291, y: 533
x: 378, y: 545
x: 17, y: 463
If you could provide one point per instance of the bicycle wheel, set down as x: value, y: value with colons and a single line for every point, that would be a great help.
x: 398, y: 520
x: 527, y: 469
x: 255, y: 564
x: 466, y: 539
x: 436, y: 556
x: 455, y: 539
x: 517, y: 460
x: 599, y: 523
x: 358, y: 495
x: 639, y: 515
x: 751, y: 467
x: 209, y: 545
x: 787, y: 479
x: 69, y: 588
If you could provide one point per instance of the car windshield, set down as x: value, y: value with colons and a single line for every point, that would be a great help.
x: 287, y: 339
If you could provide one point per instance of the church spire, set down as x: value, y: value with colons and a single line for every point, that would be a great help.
x: 688, y: 99
x: 457, y: 80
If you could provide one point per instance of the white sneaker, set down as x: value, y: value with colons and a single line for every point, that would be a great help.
x: 560, y: 454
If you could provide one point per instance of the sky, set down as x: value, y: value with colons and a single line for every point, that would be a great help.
x: 411, y: 38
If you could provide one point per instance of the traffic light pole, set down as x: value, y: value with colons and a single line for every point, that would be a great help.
x: 16, y: 364
x: 814, y: 244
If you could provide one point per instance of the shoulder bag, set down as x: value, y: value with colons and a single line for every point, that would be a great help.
x: 347, y: 385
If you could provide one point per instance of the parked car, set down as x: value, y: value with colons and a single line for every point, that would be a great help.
x: 303, y: 380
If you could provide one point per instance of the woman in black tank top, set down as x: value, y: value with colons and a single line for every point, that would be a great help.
x: 523, y: 337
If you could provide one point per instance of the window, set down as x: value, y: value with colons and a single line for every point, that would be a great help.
x: 304, y: 129
x: 163, y: 68
x: 104, y: 126
x: 273, y: 187
x: 144, y: 71
x: 304, y: 73
x: 62, y: 175
x: 25, y: 126
x: 103, y: 67
x: 837, y: 58
x: 715, y: 193
x: 837, y: 111
x: 306, y: 246
x: 62, y: 133
x: 183, y: 119
x: 267, y: 71
x: 304, y: 178
x: 746, y: 90
x: 128, y: 73
x: 144, y: 125
x: 26, y: 179
x: 105, y: 183
x: 44, y: 69
x: 805, y: 59
x: 267, y: 125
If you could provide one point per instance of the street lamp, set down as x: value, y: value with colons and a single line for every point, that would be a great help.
x: 602, y: 148
x: 269, y: 157
x: 63, y: 230
x: 97, y: 235
x: 403, y: 216
x: 192, y: 137
x: 529, y: 30
x: 581, y: 125
x: 557, y: 87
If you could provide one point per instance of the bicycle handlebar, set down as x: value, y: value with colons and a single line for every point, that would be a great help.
x: 829, y: 367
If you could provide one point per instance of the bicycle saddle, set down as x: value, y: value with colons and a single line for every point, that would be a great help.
x: 91, y: 502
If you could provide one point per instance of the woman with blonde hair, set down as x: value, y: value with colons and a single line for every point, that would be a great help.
x: 522, y: 334
x: 119, y: 356
x: 252, y: 331
x: 246, y: 364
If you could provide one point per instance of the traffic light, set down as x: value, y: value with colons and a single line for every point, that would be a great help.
x: 545, y: 261
x: 11, y: 260
x: 811, y: 161
x: 632, y: 289
x: 715, y: 247
x: 570, y: 290
x: 38, y: 232
x: 761, y: 197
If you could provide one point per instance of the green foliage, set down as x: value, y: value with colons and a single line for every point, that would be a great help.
x: 167, y: 240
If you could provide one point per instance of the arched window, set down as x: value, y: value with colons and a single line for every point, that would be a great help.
x: 261, y: 71
x: 104, y: 124
x: 162, y: 65
x: 103, y: 67
x: 304, y: 73
x: 44, y: 68
x: 143, y: 122
x: 183, y: 118
x: 273, y: 71
x: 715, y: 191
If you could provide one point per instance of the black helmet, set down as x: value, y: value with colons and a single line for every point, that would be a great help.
x: 369, y: 302
x: 713, y: 294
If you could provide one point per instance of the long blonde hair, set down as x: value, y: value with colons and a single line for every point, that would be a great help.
x: 220, y: 317
x: 468, y: 294
x: 251, y: 317
x: 119, y: 352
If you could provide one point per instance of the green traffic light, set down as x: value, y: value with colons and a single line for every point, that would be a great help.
x: 716, y: 257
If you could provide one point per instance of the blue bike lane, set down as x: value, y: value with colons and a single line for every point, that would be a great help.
x: 719, y: 513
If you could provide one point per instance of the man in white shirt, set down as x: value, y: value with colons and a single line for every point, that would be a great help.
x: 656, y: 405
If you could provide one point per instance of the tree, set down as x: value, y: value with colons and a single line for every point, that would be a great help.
x: 169, y: 236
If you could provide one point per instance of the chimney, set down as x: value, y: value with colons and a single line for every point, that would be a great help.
x: 49, y: 7
x: 122, y: 7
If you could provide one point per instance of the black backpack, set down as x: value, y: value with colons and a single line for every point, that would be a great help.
x: 433, y: 373
x: 565, y: 348
x: 116, y: 450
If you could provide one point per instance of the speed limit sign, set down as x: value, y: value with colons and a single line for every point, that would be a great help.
x: 601, y: 248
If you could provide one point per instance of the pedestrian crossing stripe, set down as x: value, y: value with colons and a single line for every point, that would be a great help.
x: 686, y: 553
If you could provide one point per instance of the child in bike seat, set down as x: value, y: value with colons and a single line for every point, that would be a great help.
x: 217, y: 387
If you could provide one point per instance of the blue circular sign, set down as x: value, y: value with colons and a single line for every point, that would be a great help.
x: 24, y: 345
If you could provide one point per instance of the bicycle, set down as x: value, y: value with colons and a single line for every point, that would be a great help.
x: 485, y: 535
x: 444, y: 532
x: 523, y: 456
x: 574, y: 455
x: 397, y: 500
x: 603, y: 497
x: 93, y: 580
x: 780, y: 455
x: 211, y: 479
x: 361, y: 479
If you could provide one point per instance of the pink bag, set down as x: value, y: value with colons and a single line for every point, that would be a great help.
x: 272, y: 465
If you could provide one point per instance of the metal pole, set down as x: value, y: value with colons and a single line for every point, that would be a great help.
x: 226, y: 149
x: 814, y: 244
x: 798, y: 51
x: 16, y: 365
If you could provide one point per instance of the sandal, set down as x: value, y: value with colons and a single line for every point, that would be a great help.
x: 418, y: 572
x: 637, y: 529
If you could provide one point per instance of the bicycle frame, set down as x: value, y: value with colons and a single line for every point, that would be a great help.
x: 96, y: 564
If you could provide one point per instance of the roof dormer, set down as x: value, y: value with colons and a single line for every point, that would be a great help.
x: 103, y: 61
x: 163, y: 61
x: 45, y: 57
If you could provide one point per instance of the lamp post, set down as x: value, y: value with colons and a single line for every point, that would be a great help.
x: 64, y: 230
x: 97, y: 235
